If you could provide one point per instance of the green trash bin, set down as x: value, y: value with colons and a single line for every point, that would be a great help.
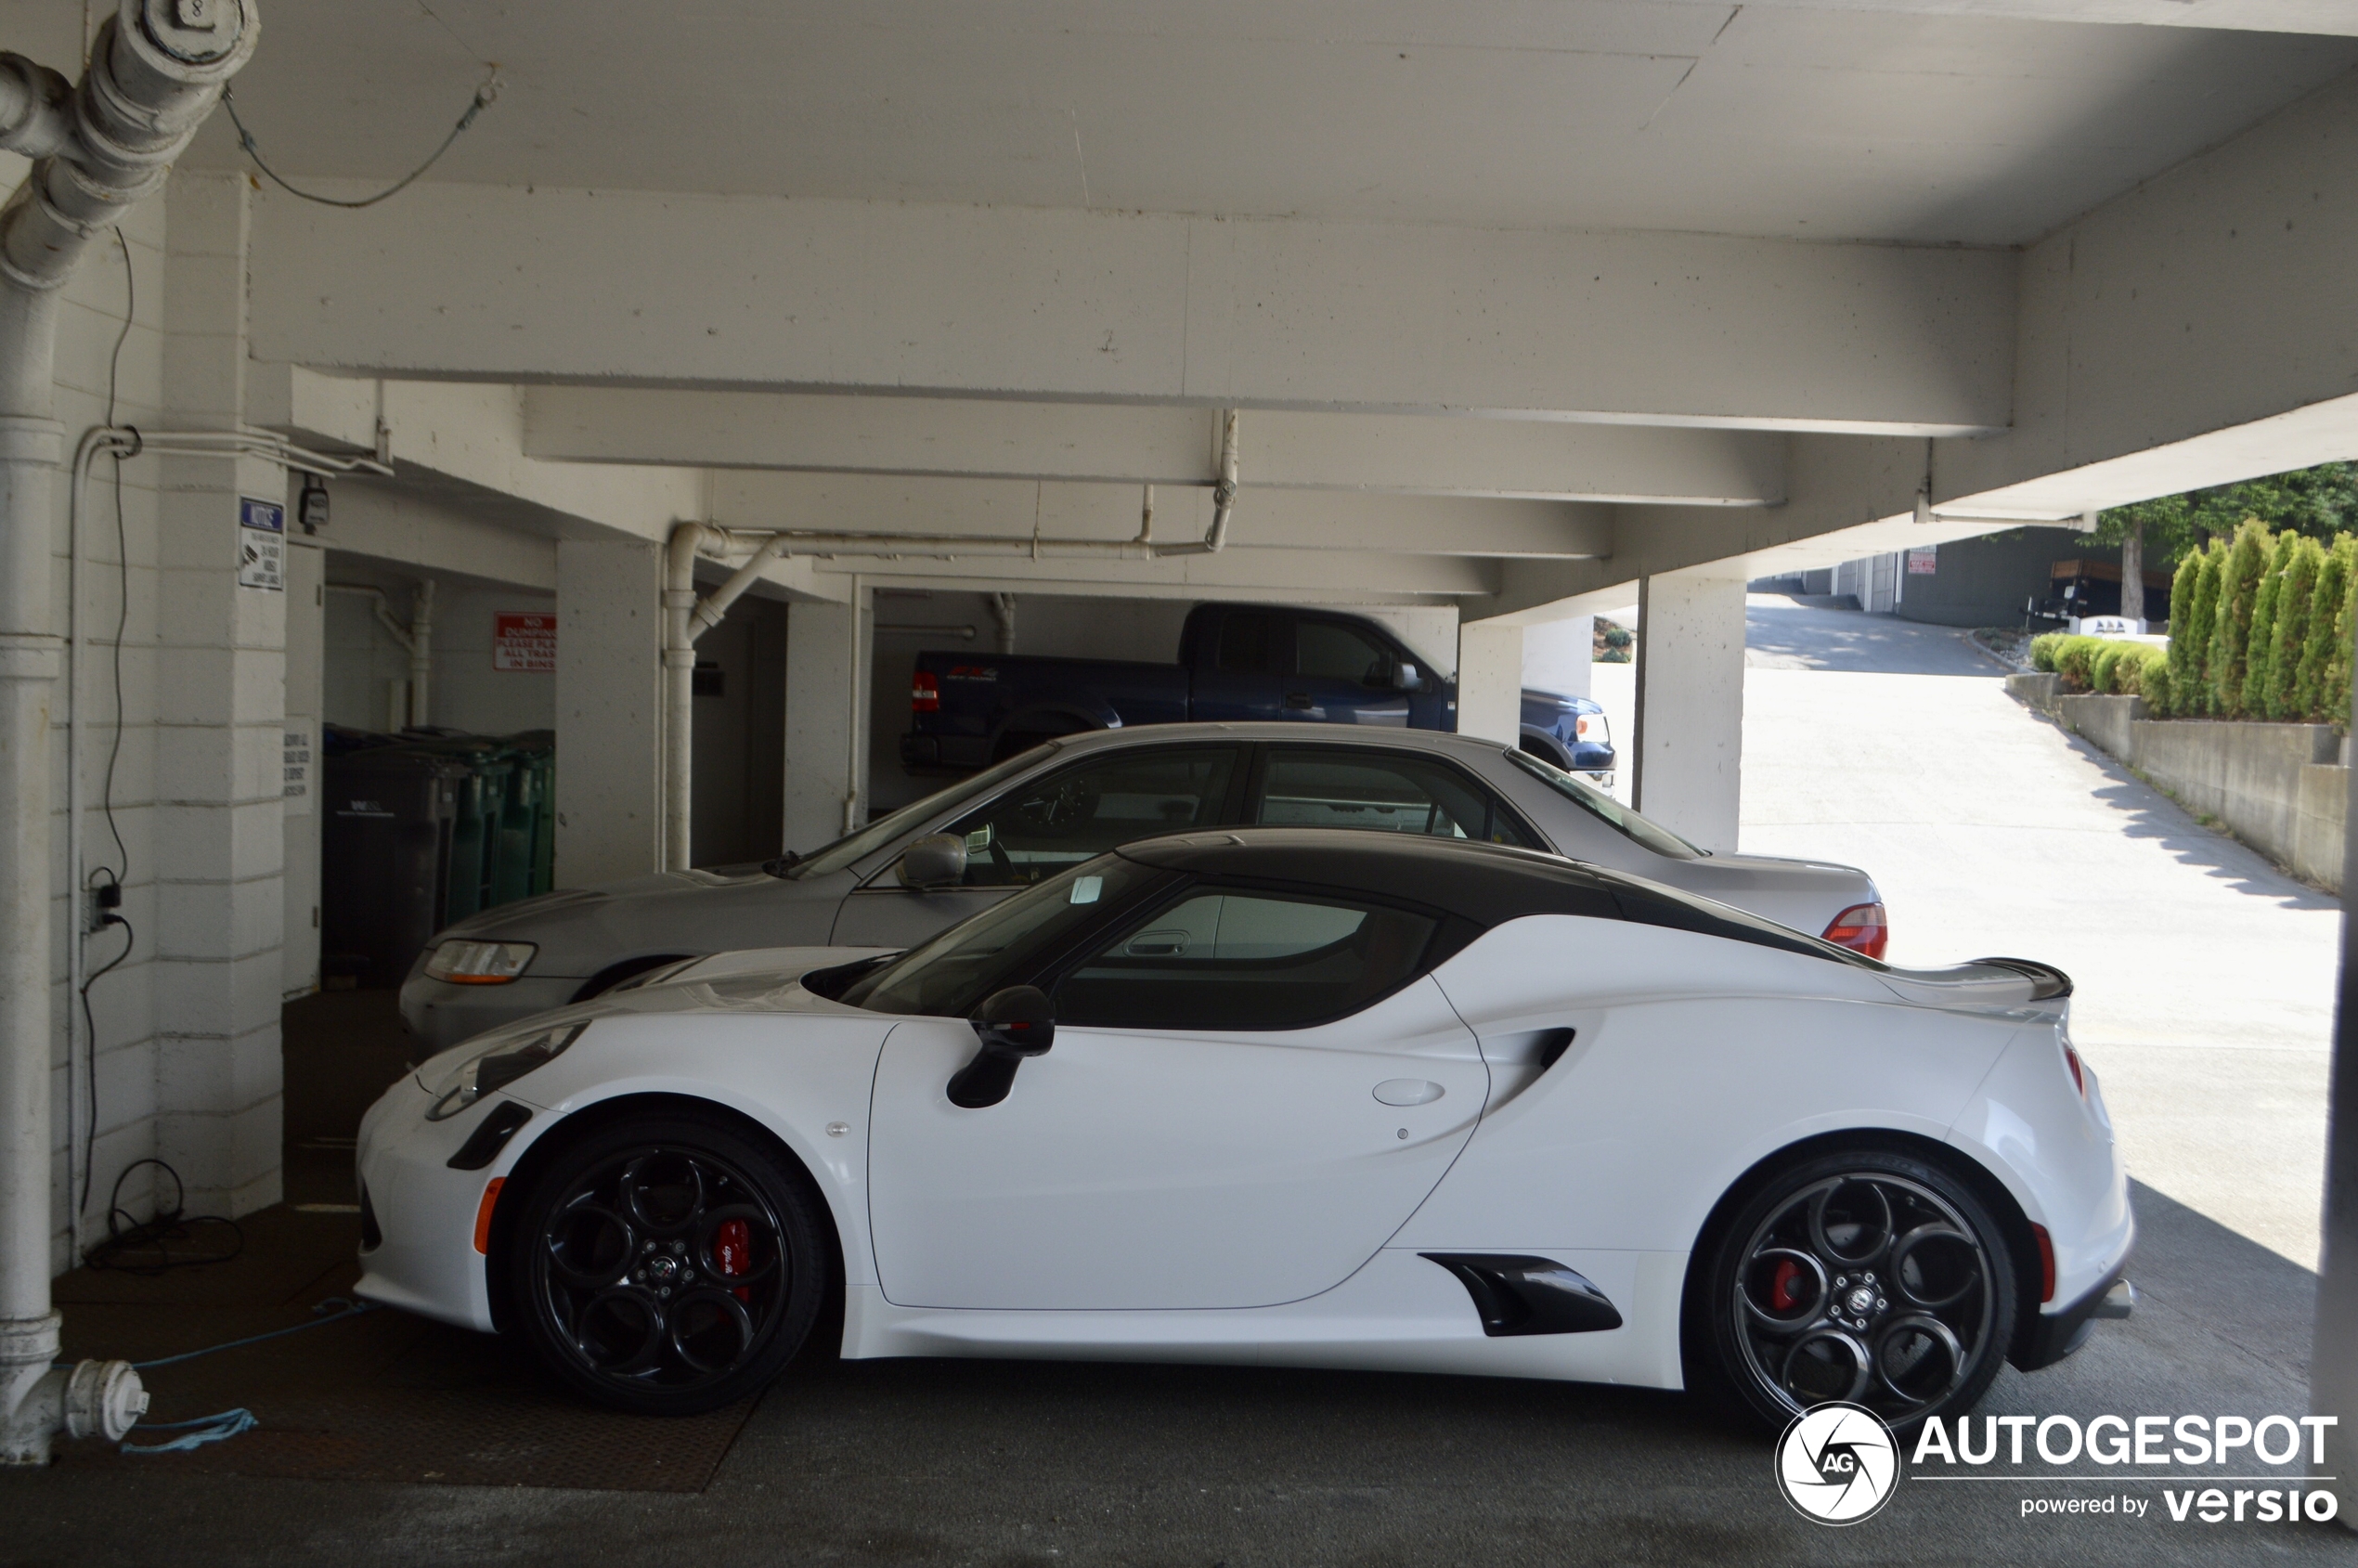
x: 477, y: 840
x: 535, y: 792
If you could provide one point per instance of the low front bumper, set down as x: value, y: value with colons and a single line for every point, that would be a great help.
x: 442, y: 1015
x: 424, y: 1259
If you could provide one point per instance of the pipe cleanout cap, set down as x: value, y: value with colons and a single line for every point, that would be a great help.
x: 192, y: 31
x: 103, y: 1399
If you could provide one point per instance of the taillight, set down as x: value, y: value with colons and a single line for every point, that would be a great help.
x: 1862, y: 928
x: 2046, y: 1262
x: 2078, y: 1074
x: 925, y: 695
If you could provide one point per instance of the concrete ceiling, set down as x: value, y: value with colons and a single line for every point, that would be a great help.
x: 1937, y: 121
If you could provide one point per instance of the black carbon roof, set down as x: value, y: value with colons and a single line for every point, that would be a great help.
x: 1487, y: 884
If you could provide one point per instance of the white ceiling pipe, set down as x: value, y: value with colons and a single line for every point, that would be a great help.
x: 684, y: 620
x: 421, y: 651
x: 156, y: 68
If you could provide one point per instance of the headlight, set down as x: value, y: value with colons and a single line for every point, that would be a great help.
x: 497, y: 1067
x: 463, y: 963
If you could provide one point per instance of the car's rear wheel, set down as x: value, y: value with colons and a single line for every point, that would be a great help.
x: 1867, y: 1276
x: 667, y: 1266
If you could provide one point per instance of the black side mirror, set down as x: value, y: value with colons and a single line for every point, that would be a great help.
x: 1012, y: 1024
x: 939, y: 860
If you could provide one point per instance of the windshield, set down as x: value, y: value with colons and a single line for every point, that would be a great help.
x: 1606, y: 810
x: 885, y: 829
x: 951, y: 974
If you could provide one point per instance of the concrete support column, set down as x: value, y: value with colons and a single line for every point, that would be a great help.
x: 1560, y: 656
x: 220, y: 839
x: 827, y: 668
x: 307, y: 671
x: 1490, y: 681
x: 609, y: 710
x: 1688, y: 746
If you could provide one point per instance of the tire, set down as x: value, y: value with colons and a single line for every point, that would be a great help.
x: 1865, y: 1275
x: 623, y: 1264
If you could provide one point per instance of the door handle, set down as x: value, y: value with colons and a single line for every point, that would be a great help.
x: 1298, y: 699
x: 1408, y: 1092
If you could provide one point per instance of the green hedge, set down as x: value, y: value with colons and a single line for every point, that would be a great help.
x: 2259, y: 628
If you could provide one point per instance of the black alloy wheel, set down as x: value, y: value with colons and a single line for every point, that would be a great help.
x: 1870, y: 1276
x: 667, y: 1265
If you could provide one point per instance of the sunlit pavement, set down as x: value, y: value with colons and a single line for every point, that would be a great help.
x: 2205, y: 975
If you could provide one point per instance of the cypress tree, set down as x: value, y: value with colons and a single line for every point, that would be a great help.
x: 2317, y: 653
x: 2335, y: 699
x: 2162, y: 697
x: 2191, y: 697
x: 2280, y: 700
x: 2258, y: 673
x: 2240, y: 578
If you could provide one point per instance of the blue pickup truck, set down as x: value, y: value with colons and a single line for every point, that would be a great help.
x: 1236, y: 662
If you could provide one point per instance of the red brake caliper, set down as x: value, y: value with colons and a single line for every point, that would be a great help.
x: 732, y: 1252
x: 1782, y: 1295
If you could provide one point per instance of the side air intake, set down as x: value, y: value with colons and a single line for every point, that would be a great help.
x: 1520, y: 1295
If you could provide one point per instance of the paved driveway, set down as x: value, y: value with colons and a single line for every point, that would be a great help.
x: 2205, y: 975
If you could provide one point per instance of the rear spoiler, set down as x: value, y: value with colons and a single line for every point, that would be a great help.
x: 2047, y: 983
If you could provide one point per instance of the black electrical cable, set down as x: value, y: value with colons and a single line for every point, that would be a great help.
x: 127, y: 1239
x: 90, y: 1035
x: 484, y: 94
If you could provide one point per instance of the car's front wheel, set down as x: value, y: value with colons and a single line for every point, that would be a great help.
x: 1866, y: 1275
x: 667, y: 1266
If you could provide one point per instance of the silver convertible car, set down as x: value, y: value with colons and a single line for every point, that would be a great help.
x: 911, y: 874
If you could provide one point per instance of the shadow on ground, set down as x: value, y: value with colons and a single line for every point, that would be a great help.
x: 1795, y: 632
x: 2151, y: 814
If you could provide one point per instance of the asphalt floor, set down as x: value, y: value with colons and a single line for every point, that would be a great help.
x: 1977, y: 819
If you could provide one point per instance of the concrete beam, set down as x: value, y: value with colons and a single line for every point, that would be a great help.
x: 1285, y: 576
x: 756, y: 293
x: 472, y: 436
x: 1851, y: 498
x: 2325, y: 17
x: 387, y: 521
x: 1264, y: 519
x: 2201, y: 329
x: 1003, y: 439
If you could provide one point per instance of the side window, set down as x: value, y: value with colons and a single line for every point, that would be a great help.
x: 1038, y: 829
x: 1245, y: 644
x: 1333, y: 788
x: 1329, y: 651
x: 1217, y: 960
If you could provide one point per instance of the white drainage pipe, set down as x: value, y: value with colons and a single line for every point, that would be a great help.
x: 156, y: 68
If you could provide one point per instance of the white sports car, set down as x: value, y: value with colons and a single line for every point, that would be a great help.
x: 1280, y: 1096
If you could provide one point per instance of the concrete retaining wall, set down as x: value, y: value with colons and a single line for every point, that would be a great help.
x: 2281, y: 788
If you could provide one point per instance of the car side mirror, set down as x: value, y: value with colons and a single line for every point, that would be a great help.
x: 1011, y: 1024
x: 1406, y: 678
x: 939, y: 860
